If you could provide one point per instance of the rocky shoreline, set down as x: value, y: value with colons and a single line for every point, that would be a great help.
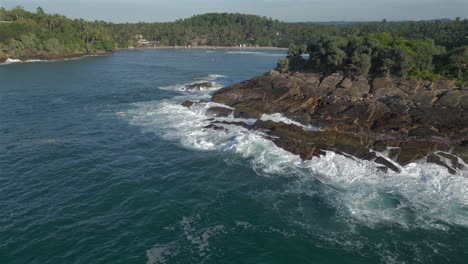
x: 48, y: 57
x: 390, y: 121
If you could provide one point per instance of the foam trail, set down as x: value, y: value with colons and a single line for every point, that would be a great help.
x: 11, y: 61
x: 196, y: 241
x: 213, y: 77
x: 281, y: 118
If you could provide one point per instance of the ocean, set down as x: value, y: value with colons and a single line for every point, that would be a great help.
x: 99, y: 163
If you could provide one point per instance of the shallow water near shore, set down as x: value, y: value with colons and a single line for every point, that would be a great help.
x: 99, y: 163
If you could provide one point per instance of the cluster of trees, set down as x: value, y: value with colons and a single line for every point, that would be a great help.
x: 26, y: 34
x: 379, y: 54
x: 209, y: 29
x: 426, y: 49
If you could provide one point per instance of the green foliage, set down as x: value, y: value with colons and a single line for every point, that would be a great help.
x: 425, y: 50
x: 54, y: 46
x: 29, y: 35
x: 283, y: 65
x: 362, y: 62
x: 454, y: 64
x: 385, y: 55
x: 424, y: 75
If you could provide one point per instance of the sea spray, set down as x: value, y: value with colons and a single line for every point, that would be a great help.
x: 421, y: 196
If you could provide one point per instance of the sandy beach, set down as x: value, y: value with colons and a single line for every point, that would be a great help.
x: 208, y: 48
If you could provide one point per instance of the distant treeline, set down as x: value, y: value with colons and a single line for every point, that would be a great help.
x: 428, y: 49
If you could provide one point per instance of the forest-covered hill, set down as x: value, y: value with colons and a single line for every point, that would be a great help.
x: 26, y: 35
x: 425, y: 49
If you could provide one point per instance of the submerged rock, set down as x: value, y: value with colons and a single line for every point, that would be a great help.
x: 187, y: 104
x: 218, y: 111
x: 198, y: 86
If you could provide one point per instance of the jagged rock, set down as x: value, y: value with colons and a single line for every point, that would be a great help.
x: 313, y: 79
x: 346, y: 83
x: 445, y: 160
x: 187, y: 104
x: 450, y: 99
x: 415, y: 118
x: 387, y: 163
x: 218, y: 111
x: 359, y: 89
x: 423, y: 132
x: 424, y: 98
x: 241, y: 124
x: 274, y: 73
x: 215, y: 127
x: 389, y: 92
x: 198, y: 86
x: 410, y: 87
x: 328, y: 85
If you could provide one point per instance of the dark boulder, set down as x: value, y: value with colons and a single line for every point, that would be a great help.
x: 215, y: 127
x: 198, y: 86
x: 187, y: 104
x: 218, y: 111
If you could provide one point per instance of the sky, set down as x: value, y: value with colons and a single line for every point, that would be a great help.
x: 285, y: 10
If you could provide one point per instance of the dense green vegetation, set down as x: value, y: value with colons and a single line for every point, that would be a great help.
x: 423, y: 50
x: 380, y: 54
x: 427, y: 50
x: 209, y: 29
x: 39, y: 35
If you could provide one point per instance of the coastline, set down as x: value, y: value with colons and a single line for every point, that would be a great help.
x: 75, y: 56
x: 392, y: 122
x: 207, y: 48
x: 45, y: 58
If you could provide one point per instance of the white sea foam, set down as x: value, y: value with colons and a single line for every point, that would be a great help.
x: 10, y: 61
x: 421, y: 196
x: 213, y: 77
x: 159, y: 254
x: 210, y: 78
x: 199, y: 240
x: 281, y: 118
x: 37, y: 61
x: 196, y: 241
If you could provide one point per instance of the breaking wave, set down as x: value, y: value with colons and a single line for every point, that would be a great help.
x: 421, y: 196
x: 213, y: 78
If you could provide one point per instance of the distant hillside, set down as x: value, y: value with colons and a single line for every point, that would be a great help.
x: 226, y: 29
x: 219, y: 29
x: 41, y: 35
x: 353, y: 23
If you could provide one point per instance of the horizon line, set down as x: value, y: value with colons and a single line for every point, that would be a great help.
x: 290, y: 22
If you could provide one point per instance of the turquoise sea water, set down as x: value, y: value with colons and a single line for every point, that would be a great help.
x: 100, y: 164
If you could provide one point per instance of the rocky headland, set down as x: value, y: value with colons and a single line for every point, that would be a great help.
x: 391, y: 121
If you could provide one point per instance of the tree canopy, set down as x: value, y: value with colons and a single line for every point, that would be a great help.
x: 27, y: 34
x: 380, y: 54
x: 426, y: 49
